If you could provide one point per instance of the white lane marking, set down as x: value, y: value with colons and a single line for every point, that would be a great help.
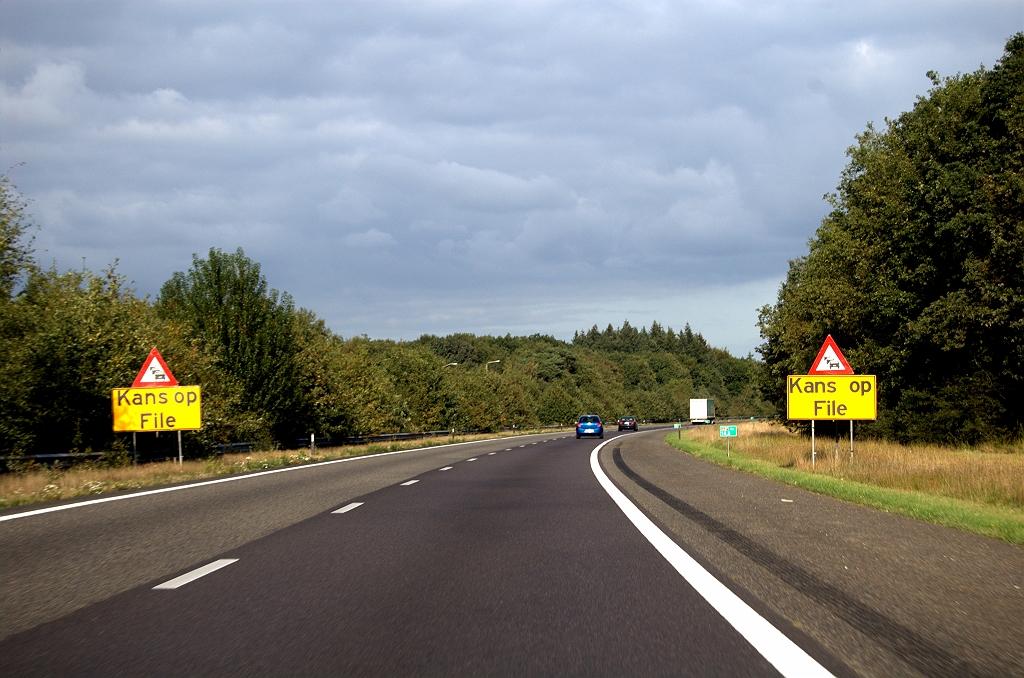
x: 522, y: 446
x: 473, y: 459
x: 348, y: 507
x: 247, y: 476
x: 780, y: 651
x: 508, y: 449
x: 788, y: 501
x: 491, y: 454
x: 410, y: 482
x: 446, y: 468
x: 196, y: 574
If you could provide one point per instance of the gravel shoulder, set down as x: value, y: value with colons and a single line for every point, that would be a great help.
x: 888, y: 595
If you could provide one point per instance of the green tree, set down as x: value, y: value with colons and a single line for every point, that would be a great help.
x: 15, y: 245
x: 249, y: 330
x: 918, y: 271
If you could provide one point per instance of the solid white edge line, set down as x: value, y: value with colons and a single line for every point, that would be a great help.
x: 348, y: 507
x: 781, y: 652
x: 246, y: 476
x: 196, y: 574
x: 409, y: 482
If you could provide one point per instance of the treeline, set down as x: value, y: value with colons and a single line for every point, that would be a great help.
x: 918, y: 271
x: 272, y: 373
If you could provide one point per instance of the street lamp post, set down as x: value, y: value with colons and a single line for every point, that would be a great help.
x: 489, y: 363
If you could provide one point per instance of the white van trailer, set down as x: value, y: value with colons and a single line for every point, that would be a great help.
x: 702, y: 410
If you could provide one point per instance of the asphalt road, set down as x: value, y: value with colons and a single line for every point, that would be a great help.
x: 512, y: 561
x: 502, y: 558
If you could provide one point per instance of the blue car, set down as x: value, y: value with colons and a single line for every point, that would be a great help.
x: 589, y: 425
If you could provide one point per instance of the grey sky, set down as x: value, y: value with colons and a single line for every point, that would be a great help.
x: 486, y: 167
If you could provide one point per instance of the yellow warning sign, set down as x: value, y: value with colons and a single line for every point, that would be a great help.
x: 168, y: 408
x: 845, y: 397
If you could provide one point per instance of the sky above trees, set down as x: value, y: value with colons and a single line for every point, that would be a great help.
x: 411, y: 167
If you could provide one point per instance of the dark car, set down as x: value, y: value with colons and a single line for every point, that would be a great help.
x: 589, y: 425
x: 628, y: 424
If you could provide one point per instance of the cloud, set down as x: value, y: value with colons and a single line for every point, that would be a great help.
x: 483, y: 159
x: 369, y: 239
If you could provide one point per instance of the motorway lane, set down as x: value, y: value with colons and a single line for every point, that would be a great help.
x: 510, y: 563
x: 59, y: 562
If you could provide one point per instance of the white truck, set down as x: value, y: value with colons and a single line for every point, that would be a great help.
x: 702, y: 411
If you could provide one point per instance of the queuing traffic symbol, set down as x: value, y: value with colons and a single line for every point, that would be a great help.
x: 154, y: 372
x: 830, y: 360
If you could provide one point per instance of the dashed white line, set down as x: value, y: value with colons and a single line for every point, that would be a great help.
x: 473, y: 459
x: 196, y: 574
x: 491, y: 453
x: 348, y: 507
x: 410, y: 482
x: 231, y: 479
x: 508, y: 449
x: 446, y: 468
x: 522, y: 446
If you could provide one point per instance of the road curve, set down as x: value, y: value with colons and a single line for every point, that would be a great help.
x: 496, y: 558
x: 510, y: 561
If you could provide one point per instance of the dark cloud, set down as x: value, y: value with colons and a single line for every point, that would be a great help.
x: 407, y: 167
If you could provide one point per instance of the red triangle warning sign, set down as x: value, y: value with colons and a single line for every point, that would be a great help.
x: 830, y: 360
x: 154, y: 372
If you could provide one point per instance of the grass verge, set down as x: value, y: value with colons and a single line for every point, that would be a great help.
x: 1000, y: 522
x: 49, y: 484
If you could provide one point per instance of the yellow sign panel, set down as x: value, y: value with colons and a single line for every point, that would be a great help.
x: 168, y: 408
x: 844, y: 397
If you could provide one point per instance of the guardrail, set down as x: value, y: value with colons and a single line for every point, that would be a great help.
x: 228, y: 448
x: 392, y: 437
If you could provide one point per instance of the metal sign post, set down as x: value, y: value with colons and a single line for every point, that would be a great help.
x: 180, y: 457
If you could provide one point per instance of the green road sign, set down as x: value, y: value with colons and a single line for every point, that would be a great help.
x: 726, y: 431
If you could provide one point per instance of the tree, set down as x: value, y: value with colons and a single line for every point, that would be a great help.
x: 224, y: 303
x: 15, y: 251
x: 918, y: 271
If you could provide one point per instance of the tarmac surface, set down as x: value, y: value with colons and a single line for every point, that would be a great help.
x: 503, y: 557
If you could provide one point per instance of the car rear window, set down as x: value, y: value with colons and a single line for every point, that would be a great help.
x: 590, y: 419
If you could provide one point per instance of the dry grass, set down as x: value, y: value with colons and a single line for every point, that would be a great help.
x: 41, y: 484
x: 992, y: 475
